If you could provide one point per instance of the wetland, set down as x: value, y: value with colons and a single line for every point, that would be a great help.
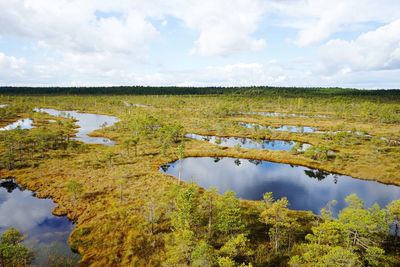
x: 124, y: 184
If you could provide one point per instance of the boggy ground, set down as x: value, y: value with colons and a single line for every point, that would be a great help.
x: 111, y: 211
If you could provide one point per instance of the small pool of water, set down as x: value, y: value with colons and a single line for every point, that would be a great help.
x: 305, y: 188
x: 19, y: 208
x: 282, y: 128
x: 21, y: 124
x: 87, y: 123
x: 245, y: 142
x: 278, y: 114
x: 3, y: 105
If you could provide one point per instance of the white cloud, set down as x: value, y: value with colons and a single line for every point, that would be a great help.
x: 317, y: 20
x: 109, y: 42
x: 72, y: 26
x: 10, y: 62
x: 373, y: 50
x: 11, y: 67
x: 240, y: 74
x: 224, y: 26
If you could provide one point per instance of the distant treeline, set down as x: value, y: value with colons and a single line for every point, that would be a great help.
x: 172, y: 90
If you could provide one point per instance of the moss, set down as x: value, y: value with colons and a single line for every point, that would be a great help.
x: 111, y: 231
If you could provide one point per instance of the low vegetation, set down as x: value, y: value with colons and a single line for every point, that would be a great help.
x: 127, y: 213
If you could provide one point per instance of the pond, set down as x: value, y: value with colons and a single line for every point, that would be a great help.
x: 305, y: 188
x: 277, y: 114
x: 45, y: 233
x: 246, y: 142
x: 282, y: 128
x: 87, y: 123
x: 21, y: 124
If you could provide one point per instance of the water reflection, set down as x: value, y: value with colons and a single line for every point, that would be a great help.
x: 21, y: 124
x: 3, y: 105
x: 282, y: 128
x: 87, y: 123
x: 306, y: 189
x: 245, y: 142
x: 19, y: 208
x: 277, y: 114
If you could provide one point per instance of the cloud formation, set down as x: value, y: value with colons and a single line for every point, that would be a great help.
x: 210, y: 42
x: 374, y: 50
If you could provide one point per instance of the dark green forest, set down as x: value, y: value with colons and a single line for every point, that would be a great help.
x: 173, y: 90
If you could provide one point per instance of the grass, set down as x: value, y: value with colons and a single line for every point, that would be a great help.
x: 110, y: 231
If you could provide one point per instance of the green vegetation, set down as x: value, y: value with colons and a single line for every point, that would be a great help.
x: 129, y: 214
x: 357, y: 237
x: 12, y: 251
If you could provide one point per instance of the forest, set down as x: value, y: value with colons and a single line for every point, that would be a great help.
x: 138, y: 194
x: 173, y: 90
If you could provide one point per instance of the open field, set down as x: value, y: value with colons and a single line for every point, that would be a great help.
x: 124, y: 210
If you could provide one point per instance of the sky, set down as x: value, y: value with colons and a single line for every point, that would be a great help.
x: 343, y: 43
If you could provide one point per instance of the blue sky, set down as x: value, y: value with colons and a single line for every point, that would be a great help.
x: 347, y: 43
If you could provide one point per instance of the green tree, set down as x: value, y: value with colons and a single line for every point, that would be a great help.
x: 361, y: 222
x: 350, y: 240
x: 229, y: 214
x: 180, y: 248
x: 375, y: 257
x: 394, y: 215
x: 276, y: 215
x: 203, y: 255
x: 168, y: 135
x: 209, y: 208
x: 236, y: 248
x: 12, y: 251
x: 185, y: 215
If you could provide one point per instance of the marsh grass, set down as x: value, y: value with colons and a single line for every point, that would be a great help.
x: 112, y: 226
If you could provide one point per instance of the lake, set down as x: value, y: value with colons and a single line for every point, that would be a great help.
x: 305, y: 188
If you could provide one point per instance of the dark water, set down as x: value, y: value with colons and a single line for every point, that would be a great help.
x: 87, y: 123
x: 245, y: 142
x: 283, y: 128
x: 46, y: 233
x: 306, y: 189
x: 22, y: 124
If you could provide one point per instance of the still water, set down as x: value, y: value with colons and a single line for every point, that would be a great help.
x: 305, y: 188
x: 294, y: 115
x: 282, y: 128
x: 21, y: 124
x: 45, y: 233
x: 245, y: 142
x: 87, y: 123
